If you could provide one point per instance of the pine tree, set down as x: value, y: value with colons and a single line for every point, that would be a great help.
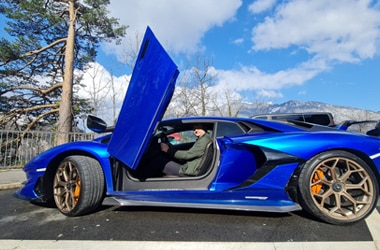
x: 48, y: 40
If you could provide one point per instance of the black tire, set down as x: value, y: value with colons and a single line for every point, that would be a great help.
x: 338, y: 187
x: 78, y: 185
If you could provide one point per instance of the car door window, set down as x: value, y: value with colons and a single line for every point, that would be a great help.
x: 318, y: 119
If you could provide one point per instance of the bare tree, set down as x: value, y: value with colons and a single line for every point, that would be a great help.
x: 193, y: 95
x: 181, y: 104
x: 229, y: 105
x: 203, y: 80
x: 116, y: 93
x: 131, y: 50
x: 99, y: 86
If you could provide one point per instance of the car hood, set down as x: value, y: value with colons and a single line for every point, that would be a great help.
x: 149, y: 92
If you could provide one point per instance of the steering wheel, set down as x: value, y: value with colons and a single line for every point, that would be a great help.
x: 164, y: 139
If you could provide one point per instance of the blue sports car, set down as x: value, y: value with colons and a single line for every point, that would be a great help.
x: 250, y: 164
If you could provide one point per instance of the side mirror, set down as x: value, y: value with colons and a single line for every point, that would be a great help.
x: 96, y: 124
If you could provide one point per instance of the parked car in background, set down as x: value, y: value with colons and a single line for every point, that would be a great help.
x: 368, y: 127
x: 250, y: 164
x: 321, y: 118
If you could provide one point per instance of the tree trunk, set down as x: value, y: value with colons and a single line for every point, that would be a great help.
x: 65, y: 108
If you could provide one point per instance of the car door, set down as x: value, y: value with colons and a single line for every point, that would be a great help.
x: 149, y: 92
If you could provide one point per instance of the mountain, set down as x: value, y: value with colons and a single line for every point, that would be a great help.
x: 340, y: 113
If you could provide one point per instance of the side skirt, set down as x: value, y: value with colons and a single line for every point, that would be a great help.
x: 112, y: 201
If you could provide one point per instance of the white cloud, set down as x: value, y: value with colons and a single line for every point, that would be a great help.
x: 261, y: 6
x: 269, y: 94
x: 343, y: 31
x: 97, y: 85
x: 180, y: 25
x: 238, y: 41
x: 326, y: 31
x: 330, y: 31
x: 251, y: 78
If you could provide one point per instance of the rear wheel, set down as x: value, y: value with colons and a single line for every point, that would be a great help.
x: 78, y: 185
x: 338, y: 187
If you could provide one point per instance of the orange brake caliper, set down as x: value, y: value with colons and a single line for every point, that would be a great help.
x: 77, y: 191
x: 318, y: 175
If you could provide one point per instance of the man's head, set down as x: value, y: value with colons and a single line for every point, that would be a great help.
x: 199, y: 130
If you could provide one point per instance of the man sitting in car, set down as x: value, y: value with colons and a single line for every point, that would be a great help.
x: 192, y: 156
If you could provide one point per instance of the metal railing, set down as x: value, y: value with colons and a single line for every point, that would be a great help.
x: 18, y: 147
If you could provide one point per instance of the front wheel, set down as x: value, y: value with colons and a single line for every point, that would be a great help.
x: 338, y: 187
x: 78, y: 185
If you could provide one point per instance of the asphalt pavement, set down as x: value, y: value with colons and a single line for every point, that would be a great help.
x: 14, y: 178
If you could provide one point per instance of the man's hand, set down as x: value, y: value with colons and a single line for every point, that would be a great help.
x: 164, y: 147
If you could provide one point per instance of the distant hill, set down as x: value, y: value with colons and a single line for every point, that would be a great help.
x: 340, y: 113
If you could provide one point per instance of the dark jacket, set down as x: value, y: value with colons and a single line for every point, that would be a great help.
x: 192, y: 156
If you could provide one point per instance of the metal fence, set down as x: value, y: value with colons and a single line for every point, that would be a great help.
x: 18, y: 147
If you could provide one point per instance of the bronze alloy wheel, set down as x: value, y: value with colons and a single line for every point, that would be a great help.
x: 338, y: 187
x: 78, y: 185
x: 67, y: 186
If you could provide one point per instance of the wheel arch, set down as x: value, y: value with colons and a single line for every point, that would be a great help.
x: 367, y: 160
x: 292, y: 185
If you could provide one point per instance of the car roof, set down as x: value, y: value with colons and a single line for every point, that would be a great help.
x: 270, y: 125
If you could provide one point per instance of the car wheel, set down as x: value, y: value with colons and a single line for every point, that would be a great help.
x: 338, y: 187
x: 78, y: 185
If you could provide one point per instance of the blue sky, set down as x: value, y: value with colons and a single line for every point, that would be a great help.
x: 268, y: 50
x: 265, y: 50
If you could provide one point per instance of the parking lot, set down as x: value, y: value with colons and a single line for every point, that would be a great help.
x: 24, y: 225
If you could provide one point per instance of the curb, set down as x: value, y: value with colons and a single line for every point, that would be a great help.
x: 186, y: 245
x: 12, y: 178
x: 11, y: 186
